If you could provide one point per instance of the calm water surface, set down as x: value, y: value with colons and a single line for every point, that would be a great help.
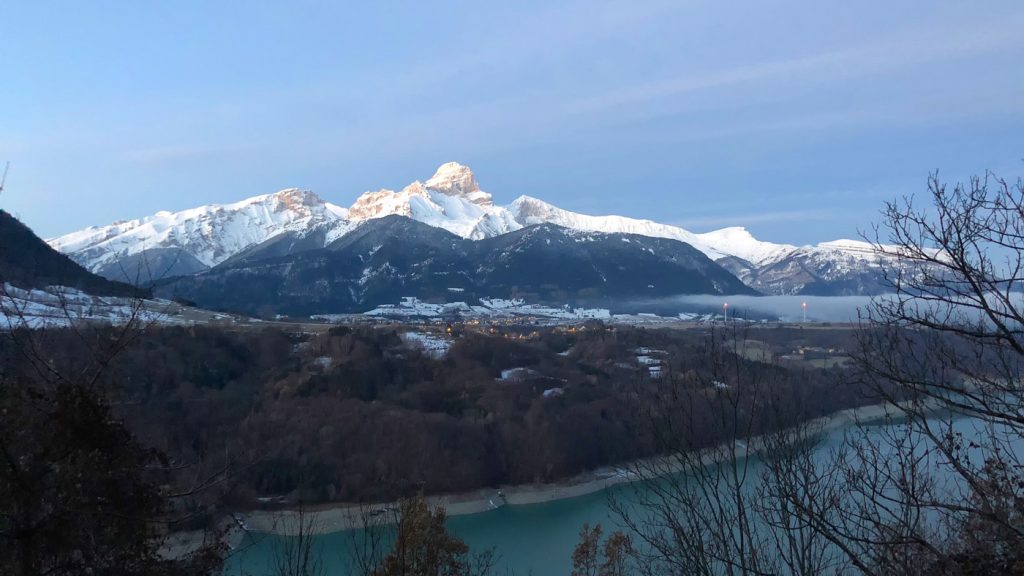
x: 536, y: 539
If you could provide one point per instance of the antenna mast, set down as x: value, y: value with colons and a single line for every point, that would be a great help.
x: 3, y: 179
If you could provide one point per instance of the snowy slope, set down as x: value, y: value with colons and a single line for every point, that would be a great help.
x: 717, y: 244
x: 737, y: 241
x: 52, y: 306
x: 528, y: 211
x: 209, y: 233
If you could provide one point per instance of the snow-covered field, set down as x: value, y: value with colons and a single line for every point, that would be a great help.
x: 645, y: 318
x: 413, y: 308
x: 432, y: 344
x: 56, y: 306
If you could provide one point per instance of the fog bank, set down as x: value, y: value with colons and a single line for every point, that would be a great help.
x: 784, y: 308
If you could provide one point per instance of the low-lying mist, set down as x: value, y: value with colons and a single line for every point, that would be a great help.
x: 784, y: 308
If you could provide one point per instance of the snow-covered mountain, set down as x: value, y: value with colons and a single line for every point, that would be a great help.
x: 450, y: 199
x: 385, y: 259
x: 734, y: 241
x: 195, y: 239
x: 292, y: 220
x: 838, y: 267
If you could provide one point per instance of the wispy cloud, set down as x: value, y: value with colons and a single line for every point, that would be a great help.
x: 679, y: 86
x: 875, y: 58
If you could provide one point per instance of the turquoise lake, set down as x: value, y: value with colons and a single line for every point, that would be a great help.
x: 537, y: 539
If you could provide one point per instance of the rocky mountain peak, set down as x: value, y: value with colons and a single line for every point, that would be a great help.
x: 377, y: 204
x: 528, y: 210
x: 296, y: 200
x: 454, y: 179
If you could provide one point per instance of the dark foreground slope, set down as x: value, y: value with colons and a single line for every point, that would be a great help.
x: 391, y: 257
x: 27, y: 261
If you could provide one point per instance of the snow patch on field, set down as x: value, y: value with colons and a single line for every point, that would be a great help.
x: 411, y: 307
x: 432, y: 344
x: 649, y: 358
x: 516, y: 374
x: 56, y: 306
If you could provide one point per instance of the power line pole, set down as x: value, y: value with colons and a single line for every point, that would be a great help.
x: 3, y: 180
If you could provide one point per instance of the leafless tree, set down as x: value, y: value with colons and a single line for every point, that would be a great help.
x: 367, y: 547
x: 738, y: 451
x: 592, y: 557
x: 946, y: 349
x: 297, y: 553
x: 937, y: 489
x: 77, y: 491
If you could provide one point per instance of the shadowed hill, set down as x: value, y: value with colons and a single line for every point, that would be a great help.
x: 27, y: 261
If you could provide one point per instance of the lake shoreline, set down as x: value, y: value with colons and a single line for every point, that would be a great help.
x: 337, y: 517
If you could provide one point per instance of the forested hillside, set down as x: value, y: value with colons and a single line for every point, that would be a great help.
x: 359, y: 414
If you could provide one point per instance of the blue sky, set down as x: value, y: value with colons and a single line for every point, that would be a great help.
x: 796, y: 119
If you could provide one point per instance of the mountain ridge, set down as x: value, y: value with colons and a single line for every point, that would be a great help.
x: 451, y: 199
x: 385, y: 259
